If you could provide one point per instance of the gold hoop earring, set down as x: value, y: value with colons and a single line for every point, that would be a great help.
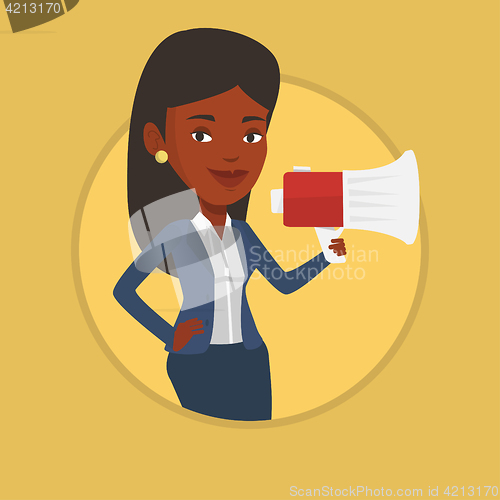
x: 161, y: 156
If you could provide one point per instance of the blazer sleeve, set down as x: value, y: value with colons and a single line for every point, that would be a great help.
x: 258, y: 257
x: 125, y: 290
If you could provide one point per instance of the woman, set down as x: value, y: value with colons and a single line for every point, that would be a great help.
x: 204, y: 103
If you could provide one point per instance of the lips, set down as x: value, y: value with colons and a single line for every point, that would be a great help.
x: 228, y: 178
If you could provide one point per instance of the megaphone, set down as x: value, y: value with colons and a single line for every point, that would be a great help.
x: 384, y: 199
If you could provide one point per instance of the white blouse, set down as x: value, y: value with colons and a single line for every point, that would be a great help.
x: 229, y: 278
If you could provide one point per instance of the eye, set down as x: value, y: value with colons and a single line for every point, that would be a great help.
x: 201, y: 136
x: 252, y: 138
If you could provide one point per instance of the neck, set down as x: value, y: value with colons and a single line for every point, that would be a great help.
x: 216, y: 214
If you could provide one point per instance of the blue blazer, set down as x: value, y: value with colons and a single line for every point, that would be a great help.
x: 194, y: 270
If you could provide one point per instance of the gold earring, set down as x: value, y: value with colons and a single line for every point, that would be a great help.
x: 161, y: 156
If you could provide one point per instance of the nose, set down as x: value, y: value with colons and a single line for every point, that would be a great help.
x: 230, y: 160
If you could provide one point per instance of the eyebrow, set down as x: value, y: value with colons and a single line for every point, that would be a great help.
x: 251, y: 118
x: 202, y: 117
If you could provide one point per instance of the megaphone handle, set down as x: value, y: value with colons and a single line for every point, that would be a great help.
x: 336, y: 233
x: 325, y: 235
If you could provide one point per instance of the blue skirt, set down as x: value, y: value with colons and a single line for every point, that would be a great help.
x: 226, y: 381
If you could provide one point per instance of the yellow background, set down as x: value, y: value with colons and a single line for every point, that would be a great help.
x: 74, y: 427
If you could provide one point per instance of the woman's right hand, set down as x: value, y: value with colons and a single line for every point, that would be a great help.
x: 185, y: 331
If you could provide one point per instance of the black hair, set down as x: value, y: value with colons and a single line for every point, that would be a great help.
x: 186, y: 67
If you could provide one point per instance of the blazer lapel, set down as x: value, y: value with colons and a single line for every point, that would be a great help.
x: 238, y: 235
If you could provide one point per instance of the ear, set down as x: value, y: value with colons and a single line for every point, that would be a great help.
x: 153, y: 139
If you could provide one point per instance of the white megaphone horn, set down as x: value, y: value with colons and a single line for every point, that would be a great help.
x: 384, y: 199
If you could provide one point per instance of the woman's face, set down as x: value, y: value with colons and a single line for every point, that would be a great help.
x: 218, y: 145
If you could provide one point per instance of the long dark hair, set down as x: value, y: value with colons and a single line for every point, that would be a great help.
x: 186, y: 67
